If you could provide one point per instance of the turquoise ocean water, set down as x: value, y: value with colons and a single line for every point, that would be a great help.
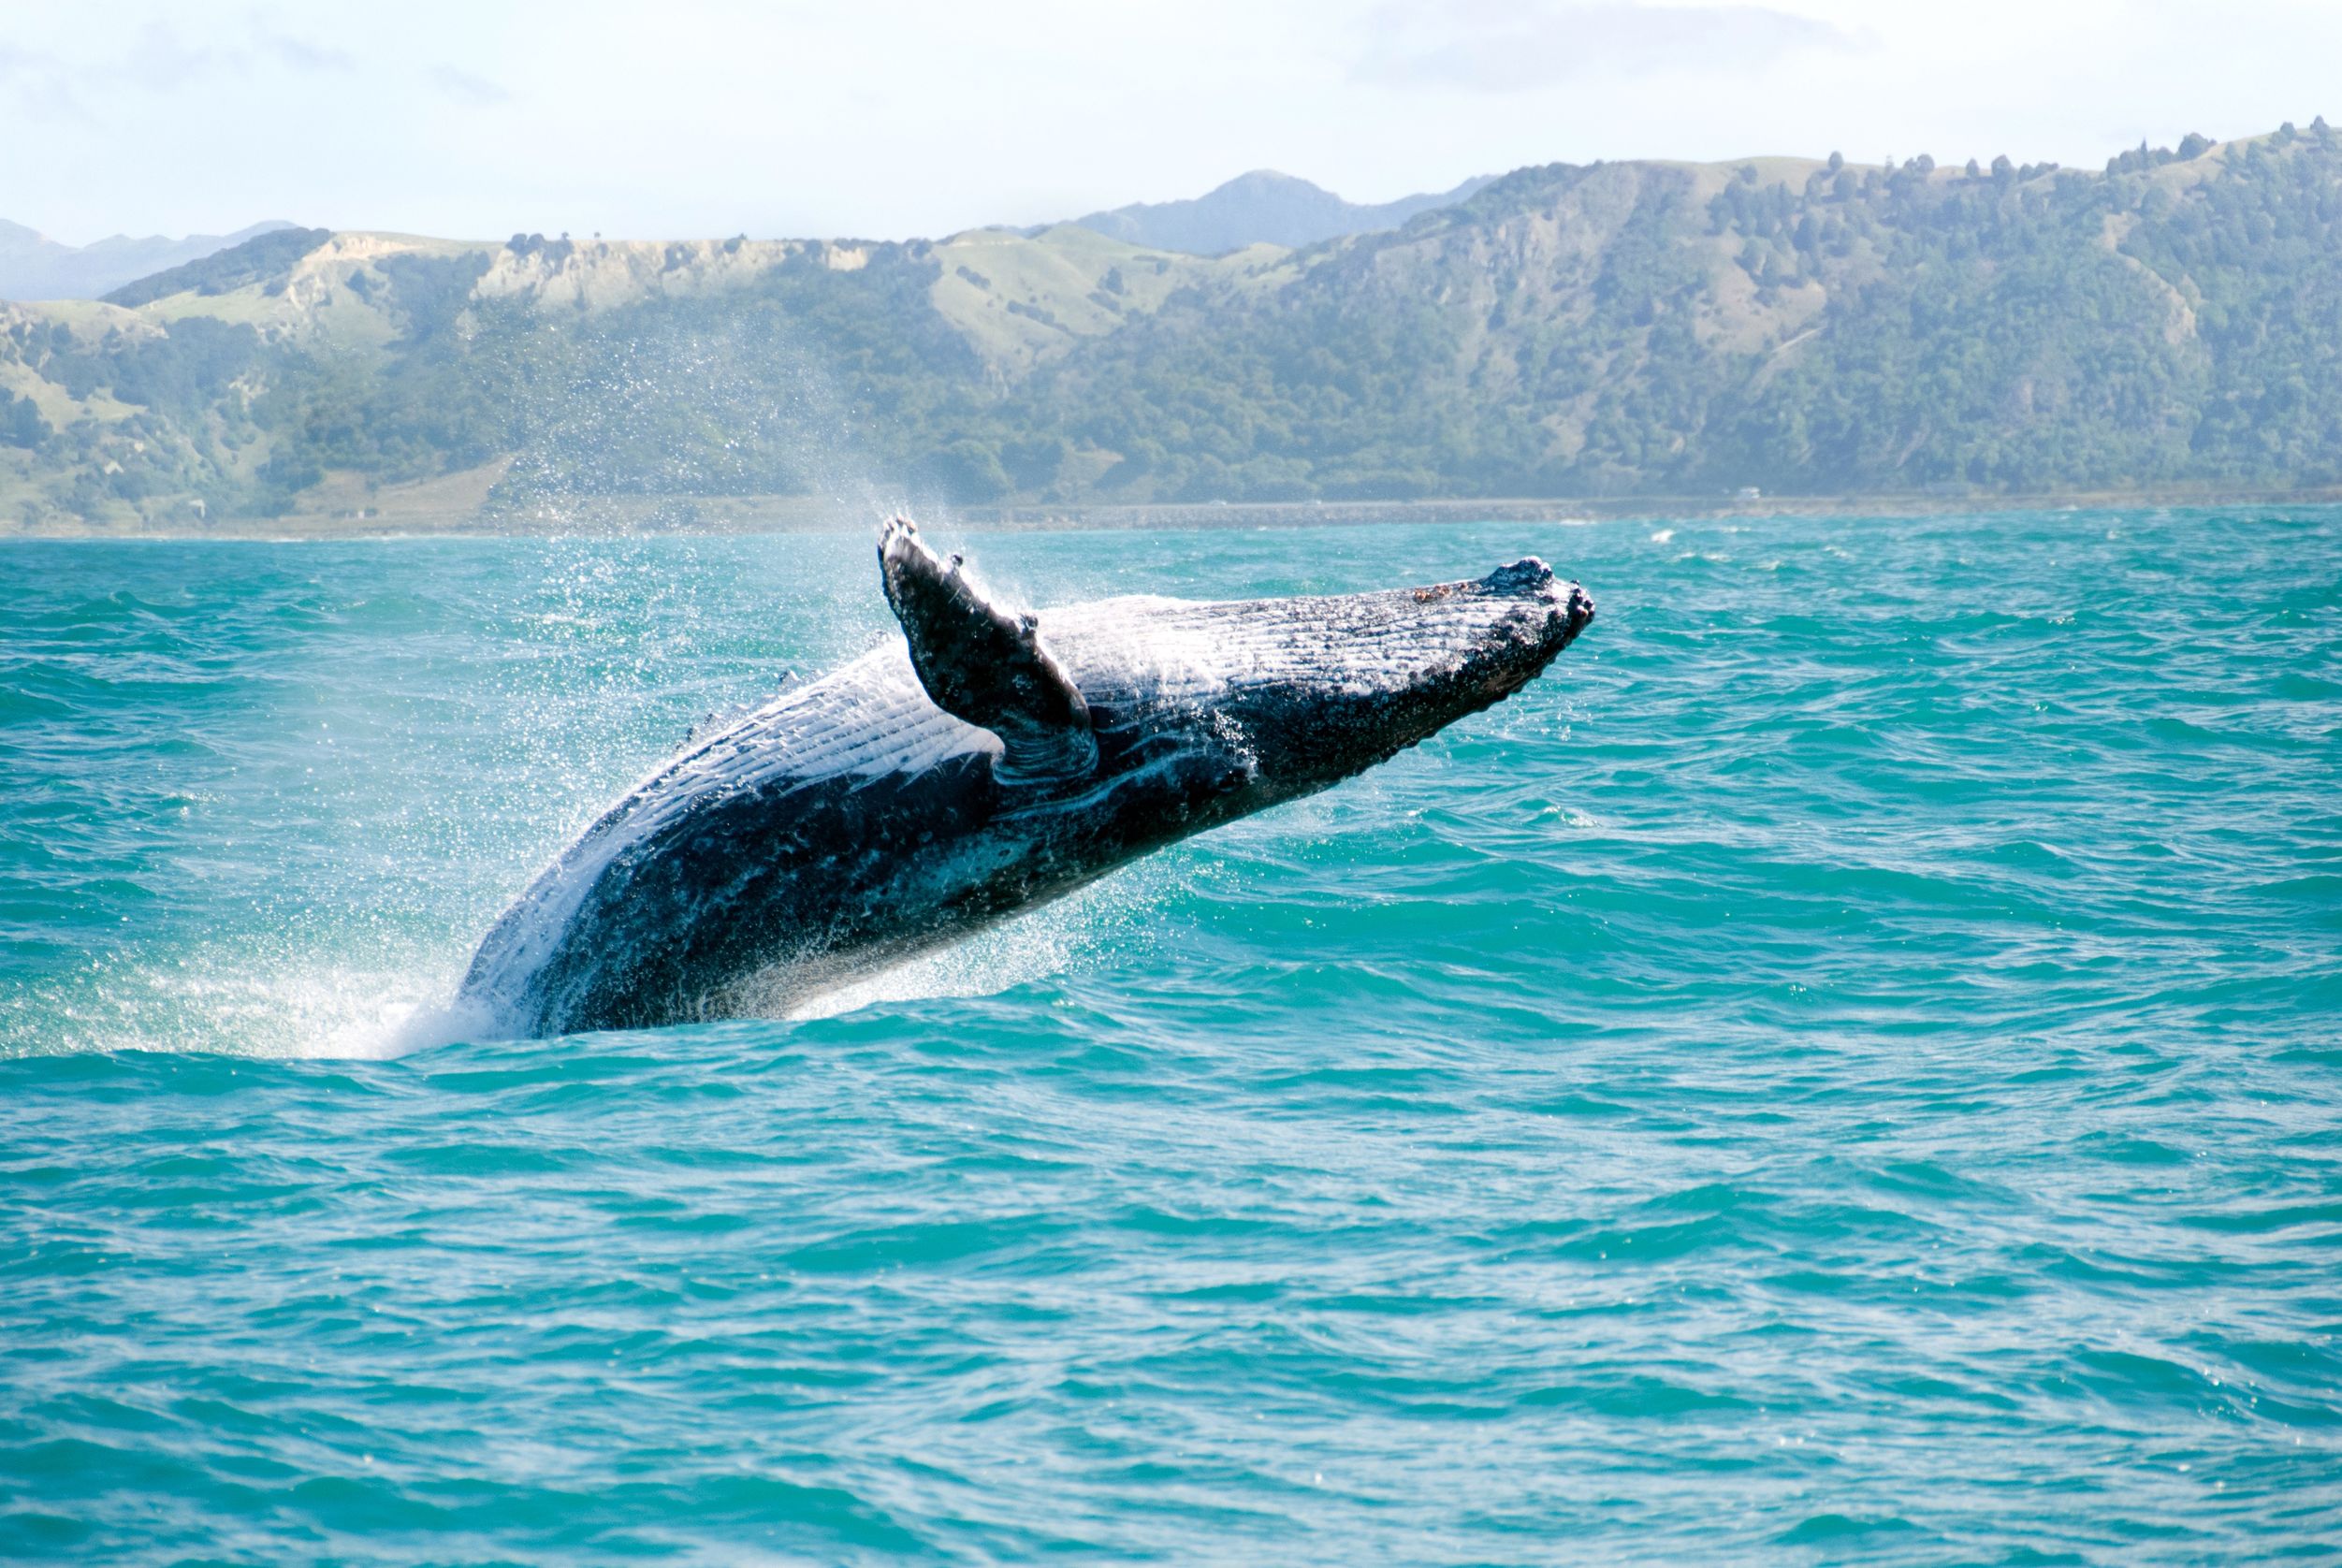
x: 1845, y: 1068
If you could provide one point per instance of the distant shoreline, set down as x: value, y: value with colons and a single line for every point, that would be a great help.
x: 644, y: 517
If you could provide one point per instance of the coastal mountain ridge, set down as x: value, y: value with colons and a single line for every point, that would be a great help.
x: 35, y: 266
x: 1602, y: 331
x: 1261, y: 207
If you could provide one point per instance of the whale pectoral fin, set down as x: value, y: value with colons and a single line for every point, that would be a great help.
x: 984, y: 664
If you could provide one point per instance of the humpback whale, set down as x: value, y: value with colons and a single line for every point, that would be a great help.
x: 989, y: 760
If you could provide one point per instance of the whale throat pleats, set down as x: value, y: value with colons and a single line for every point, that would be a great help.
x: 984, y: 664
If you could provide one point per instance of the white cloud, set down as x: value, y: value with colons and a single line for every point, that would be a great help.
x: 1493, y: 45
x: 160, y: 61
x: 305, y: 54
x: 462, y: 87
x: 892, y: 118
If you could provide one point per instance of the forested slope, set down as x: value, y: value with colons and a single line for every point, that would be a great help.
x: 1637, y: 328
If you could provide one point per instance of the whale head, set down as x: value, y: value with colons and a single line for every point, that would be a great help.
x: 1291, y: 695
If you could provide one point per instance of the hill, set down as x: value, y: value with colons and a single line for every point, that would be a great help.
x: 35, y: 266
x: 1263, y: 208
x: 1600, y: 330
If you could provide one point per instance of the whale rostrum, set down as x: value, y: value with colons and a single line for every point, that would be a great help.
x: 990, y: 761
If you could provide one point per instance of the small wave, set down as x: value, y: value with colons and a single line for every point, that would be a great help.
x: 985, y: 967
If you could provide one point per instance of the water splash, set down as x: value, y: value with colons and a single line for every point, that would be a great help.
x: 223, y: 1001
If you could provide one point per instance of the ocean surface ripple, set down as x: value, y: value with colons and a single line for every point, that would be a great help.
x: 1844, y: 1069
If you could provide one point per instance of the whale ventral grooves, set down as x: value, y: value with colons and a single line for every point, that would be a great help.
x: 984, y: 664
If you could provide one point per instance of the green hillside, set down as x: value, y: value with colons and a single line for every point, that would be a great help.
x: 1616, y: 329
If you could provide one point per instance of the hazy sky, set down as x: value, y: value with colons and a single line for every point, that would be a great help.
x: 884, y: 118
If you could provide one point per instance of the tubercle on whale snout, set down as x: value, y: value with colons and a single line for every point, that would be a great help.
x: 1524, y: 575
x: 1569, y: 608
x: 1577, y: 615
x: 1529, y: 577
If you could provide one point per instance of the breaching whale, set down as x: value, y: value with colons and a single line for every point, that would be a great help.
x: 987, y: 763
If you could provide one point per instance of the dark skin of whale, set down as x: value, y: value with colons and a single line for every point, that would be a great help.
x: 991, y: 761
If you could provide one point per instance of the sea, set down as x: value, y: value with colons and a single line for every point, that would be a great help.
x: 1846, y: 1067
